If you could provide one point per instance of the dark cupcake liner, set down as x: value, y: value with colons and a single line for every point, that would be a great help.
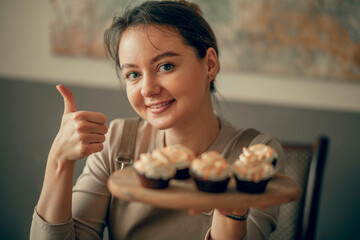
x: 153, y: 183
x: 182, y: 174
x: 211, y: 186
x: 274, y: 162
x: 251, y: 187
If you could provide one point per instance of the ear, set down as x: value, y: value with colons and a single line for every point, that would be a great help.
x: 212, y: 63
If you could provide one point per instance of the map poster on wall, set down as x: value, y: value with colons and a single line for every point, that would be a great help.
x: 308, y: 39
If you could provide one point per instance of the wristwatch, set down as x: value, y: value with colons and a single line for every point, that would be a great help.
x: 239, y: 218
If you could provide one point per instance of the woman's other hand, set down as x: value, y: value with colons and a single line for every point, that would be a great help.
x: 223, y: 227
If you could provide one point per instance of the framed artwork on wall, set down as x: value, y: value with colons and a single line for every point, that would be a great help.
x: 307, y: 39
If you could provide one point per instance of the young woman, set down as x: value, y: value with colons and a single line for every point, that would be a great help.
x: 168, y: 56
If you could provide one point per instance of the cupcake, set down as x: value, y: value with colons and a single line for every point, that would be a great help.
x: 211, y: 172
x: 259, y: 153
x: 254, y: 168
x: 154, y: 170
x: 181, y: 157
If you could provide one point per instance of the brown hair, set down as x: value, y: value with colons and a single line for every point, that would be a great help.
x: 181, y: 15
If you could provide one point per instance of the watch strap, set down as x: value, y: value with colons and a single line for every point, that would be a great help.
x: 239, y: 218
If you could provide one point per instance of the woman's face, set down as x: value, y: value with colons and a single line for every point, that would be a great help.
x: 166, y: 83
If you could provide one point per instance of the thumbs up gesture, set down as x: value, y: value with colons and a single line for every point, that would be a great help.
x: 81, y: 133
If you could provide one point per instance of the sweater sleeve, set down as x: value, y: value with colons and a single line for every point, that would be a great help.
x: 41, y: 230
x: 261, y: 223
x: 90, y: 199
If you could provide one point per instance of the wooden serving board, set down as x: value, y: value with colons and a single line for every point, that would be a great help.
x: 183, y: 194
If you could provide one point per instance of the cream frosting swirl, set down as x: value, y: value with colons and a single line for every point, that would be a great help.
x: 258, y: 153
x: 211, y: 166
x: 253, y: 172
x: 155, y: 166
x: 179, y: 155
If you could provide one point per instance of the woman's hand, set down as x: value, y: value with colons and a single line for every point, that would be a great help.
x: 81, y: 133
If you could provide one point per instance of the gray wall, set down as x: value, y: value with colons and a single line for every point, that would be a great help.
x: 30, y: 118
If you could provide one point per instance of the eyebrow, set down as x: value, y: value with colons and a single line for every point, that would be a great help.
x: 153, y: 60
x: 163, y: 55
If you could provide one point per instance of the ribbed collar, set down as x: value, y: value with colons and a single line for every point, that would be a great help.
x: 226, y: 133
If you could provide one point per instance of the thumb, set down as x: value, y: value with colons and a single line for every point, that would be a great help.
x: 69, y: 100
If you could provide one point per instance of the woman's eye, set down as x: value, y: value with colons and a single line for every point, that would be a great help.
x: 166, y: 67
x: 132, y: 76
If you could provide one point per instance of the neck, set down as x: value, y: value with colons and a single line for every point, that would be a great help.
x: 197, y: 135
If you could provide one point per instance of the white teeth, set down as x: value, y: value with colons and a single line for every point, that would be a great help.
x: 160, y: 105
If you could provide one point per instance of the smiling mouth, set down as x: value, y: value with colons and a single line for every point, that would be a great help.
x: 161, y: 104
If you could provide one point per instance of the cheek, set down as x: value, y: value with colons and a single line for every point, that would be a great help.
x: 191, y: 92
x: 196, y: 84
x: 191, y: 81
x: 134, y: 96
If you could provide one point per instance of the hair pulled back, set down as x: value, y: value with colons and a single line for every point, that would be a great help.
x: 182, y: 16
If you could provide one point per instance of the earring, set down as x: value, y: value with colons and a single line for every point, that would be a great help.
x: 210, y: 77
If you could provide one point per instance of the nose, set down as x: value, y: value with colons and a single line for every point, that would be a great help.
x: 150, y: 86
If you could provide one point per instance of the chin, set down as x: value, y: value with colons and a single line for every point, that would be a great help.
x: 161, y: 123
